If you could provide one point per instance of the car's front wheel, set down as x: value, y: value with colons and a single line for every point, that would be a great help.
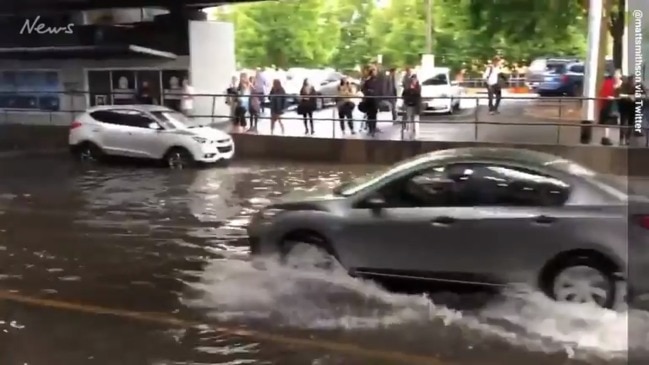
x: 178, y: 158
x: 583, y: 280
x: 303, y: 249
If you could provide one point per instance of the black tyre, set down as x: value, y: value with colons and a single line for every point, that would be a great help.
x: 581, y: 279
x: 178, y: 158
x: 88, y: 152
x: 307, y: 250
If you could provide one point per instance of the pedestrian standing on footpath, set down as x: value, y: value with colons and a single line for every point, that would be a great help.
x: 346, y: 105
x: 493, y: 77
x: 307, y: 105
x: 372, y: 88
x: 254, y: 109
x: 278, y: 103
x: 244, y: 91
x: 608, y: 106
x: 412, y: 104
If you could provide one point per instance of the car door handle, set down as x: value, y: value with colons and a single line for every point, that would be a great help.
x: 544, y: 219
x: 443, y: 221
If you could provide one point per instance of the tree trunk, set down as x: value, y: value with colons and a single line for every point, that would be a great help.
x: 617, y: 50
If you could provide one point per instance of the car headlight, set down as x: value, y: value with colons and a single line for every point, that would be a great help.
x: 200, y: 139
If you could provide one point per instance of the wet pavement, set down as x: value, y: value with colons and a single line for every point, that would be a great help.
x: 140, y: 265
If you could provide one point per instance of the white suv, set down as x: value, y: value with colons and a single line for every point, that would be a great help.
x: 149, y: 132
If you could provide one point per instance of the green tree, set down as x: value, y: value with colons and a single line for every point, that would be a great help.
x: 291, y: 33
x: 346, y: 33
x: 354, y: 19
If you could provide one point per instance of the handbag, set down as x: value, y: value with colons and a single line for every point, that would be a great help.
x: 362, y: 106
x: 301, y: 108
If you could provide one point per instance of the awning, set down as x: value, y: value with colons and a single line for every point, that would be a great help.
x: 114, y: 51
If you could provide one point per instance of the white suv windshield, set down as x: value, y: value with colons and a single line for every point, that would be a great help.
x: 174, y: 120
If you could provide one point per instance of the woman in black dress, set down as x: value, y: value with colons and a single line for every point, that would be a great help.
x: 307, y: 105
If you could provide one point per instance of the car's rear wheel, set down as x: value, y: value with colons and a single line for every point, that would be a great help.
x: 307, y: 249
x: 178, y: 158
x: 88, y: 152
x: 582, y: 280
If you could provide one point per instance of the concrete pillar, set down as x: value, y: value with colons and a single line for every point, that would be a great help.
x: 212, y: 65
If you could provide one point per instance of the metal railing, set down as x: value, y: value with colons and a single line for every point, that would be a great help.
x: 475, y: 83
x: 522, y: 118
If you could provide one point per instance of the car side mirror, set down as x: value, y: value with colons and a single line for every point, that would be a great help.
x: 455, y: 83
x: 375, y: 204
x: 154, y: 125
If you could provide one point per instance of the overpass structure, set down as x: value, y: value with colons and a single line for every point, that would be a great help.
x: 58, y: 55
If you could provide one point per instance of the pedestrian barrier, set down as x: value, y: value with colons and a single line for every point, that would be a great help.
x: 529, y: 112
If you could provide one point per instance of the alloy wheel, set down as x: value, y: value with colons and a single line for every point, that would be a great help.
x: 582, y: 284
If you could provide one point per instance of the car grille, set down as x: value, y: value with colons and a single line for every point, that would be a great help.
x: 223, y: 141
x: 224, y: 149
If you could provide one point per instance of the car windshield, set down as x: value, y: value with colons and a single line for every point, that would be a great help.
x: 174, y: 120
x: 439, y: 79
x: 362, y: 182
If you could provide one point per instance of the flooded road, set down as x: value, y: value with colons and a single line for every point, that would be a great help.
x: 139, y: 265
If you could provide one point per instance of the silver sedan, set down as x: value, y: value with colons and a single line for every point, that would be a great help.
x: 476, y: 216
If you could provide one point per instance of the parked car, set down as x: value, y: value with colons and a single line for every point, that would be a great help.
x: 567, y: 79
x: 475, y: 216
x: 438, y: 92
x: 560, y: 76
x: 149, y: 132
x: 535, y: 74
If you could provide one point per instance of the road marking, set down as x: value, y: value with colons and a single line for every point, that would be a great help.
x: 163, y: 319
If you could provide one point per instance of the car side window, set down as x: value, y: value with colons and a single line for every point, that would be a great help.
x: 107, y: 116
x: 134, y: 118
x: 467, y: 185
x: 577, y: 69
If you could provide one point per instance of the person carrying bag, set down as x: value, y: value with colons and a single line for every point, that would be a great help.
x: 346, y: 105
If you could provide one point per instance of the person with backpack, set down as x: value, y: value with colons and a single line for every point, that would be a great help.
x: 493, y: 78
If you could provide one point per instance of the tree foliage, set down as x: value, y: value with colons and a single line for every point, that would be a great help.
x: 347, y: 33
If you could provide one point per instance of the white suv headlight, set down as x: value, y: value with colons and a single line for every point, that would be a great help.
x: 200, y: 140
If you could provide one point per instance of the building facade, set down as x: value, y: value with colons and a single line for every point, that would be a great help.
x: 53, y: 67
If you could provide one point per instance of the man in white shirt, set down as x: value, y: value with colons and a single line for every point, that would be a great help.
x: 492, y: 77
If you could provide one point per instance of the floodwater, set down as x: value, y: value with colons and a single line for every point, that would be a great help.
x: 141, y: 265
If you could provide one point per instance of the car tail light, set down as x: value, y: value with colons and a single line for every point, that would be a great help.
x: 643, y: 220
x: 75, y: 124
x: 565, y: 79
